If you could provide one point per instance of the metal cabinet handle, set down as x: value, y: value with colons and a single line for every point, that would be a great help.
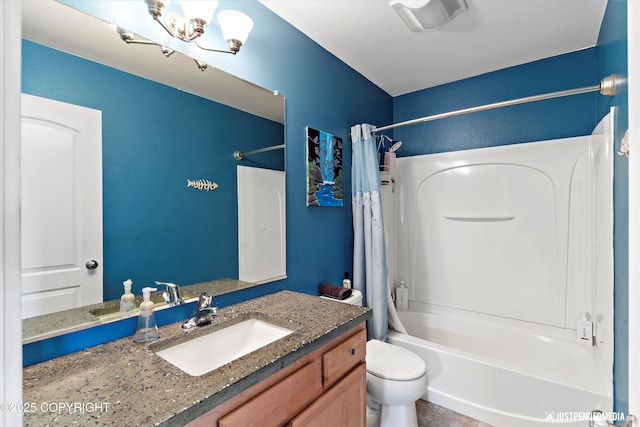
x: 92, y: 265
x: 352, y: 351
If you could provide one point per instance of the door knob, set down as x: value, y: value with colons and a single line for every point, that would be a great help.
x: 92, y: 265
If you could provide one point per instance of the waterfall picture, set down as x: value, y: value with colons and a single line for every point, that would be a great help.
x: 324, y: 169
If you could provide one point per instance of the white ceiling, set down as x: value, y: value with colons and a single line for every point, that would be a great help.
x: 366, y: 34
x: 493, y: 34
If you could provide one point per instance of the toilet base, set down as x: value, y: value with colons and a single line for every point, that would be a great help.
x: 373, y: 417
x: 399, y: 415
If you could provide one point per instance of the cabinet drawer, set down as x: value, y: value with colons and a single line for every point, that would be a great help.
x: 343, y: 357
x: 274, y: 406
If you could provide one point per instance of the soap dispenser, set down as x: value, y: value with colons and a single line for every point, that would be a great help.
x: 147, y: 325
x: 127, y: 301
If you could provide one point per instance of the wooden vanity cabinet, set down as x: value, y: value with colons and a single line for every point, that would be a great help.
x: 327, y: 387
x: 342, y: 405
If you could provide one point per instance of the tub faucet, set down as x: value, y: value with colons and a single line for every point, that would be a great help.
x: 205, y: 313
x: 172, y: 294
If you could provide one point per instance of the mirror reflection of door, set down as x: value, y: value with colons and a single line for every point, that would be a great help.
x: 261, y: 225
x: 61, y: 222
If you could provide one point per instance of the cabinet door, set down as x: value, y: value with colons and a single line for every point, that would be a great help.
x: 342, y: 358
x: 342, y: 405
x: 276, y: 405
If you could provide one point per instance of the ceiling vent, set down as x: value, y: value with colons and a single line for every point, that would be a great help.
x: 428, y: 15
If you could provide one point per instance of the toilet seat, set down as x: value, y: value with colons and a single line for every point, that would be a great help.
x: 392, y: 362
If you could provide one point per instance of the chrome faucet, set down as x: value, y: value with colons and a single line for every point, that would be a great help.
x: 172, y: 294
x: 205, y: 313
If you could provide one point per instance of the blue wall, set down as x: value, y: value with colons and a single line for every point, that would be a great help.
x: 321, y: 92
x: 612, y: 59
x: 154, y: 139
x: 557, y: 118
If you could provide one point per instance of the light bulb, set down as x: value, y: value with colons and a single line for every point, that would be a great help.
x: 235, y: 25
x: 199, y: 9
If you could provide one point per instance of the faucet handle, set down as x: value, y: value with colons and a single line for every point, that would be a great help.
x: 205, y: 313
x: 167, y: 284
x: 204, y: 301
x: 172, y: 294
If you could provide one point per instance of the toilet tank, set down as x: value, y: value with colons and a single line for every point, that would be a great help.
x: 354, y: 299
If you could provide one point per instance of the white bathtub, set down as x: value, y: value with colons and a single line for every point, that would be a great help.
x: 503, y: 375
x: 503, y: 250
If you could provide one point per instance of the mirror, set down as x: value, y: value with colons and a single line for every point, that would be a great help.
x: 165, y: 123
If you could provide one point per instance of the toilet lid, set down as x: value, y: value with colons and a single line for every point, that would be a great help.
x: 393, y: 362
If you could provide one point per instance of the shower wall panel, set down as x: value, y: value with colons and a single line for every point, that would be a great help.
x: 508, y: 232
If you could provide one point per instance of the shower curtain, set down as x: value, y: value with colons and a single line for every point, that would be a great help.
x: 369, y: 256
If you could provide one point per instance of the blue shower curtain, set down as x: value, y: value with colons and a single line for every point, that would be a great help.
x: 369, y: 257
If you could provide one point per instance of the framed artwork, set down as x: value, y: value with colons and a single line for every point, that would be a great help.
x: 324, y: 169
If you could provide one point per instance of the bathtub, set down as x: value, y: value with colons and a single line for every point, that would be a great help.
x: 504, y: 250
x: 503, y: 375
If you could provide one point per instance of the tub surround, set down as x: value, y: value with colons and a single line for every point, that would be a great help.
x: 538, y: 252
x: 134, y: 386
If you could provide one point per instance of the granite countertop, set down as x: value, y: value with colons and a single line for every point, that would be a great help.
x: 124, y: 383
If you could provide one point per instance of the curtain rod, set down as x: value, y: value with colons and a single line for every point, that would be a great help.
x: 239, y: 155
x: 607, y: 86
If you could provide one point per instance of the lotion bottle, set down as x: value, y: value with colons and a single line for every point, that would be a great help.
x: 402, y: 296
x: 147, y: 324
x: 127, y: 301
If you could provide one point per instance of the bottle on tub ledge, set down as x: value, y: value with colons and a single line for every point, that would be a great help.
x: 346, y: 282
x: 402, y: 296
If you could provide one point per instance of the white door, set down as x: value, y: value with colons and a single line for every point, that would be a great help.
x: 261, y: 225
x: 61, y: 206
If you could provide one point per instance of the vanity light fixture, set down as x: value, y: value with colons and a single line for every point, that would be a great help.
x: 428, y: 15
x: 129, y: 38
x: 189, y: 27
x: 235, y: 26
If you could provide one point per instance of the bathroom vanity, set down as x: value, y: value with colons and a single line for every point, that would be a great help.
x: 324, y: 388
x: 313, y: 376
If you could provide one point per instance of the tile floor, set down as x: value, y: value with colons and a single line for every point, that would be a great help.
x: 432, y: 415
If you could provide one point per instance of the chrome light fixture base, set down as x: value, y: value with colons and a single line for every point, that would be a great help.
x: 234, y: 47
x: 155, y: 8
x: 190, y: 29
x: 129, y: 38
x: 184, y: 28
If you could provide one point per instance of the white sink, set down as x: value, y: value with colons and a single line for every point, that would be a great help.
x: 208, y: 352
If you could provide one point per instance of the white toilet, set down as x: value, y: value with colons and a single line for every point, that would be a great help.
x: 396, y: 378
